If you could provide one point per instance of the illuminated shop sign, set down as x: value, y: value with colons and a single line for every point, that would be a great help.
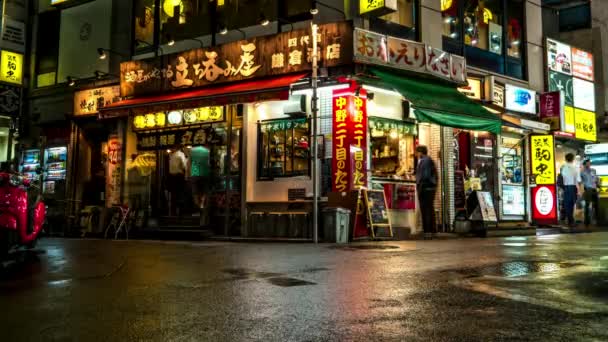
x: 582, y: 64
x: 552, y: 109
x: 11, y: 67
x: 473, y: 89
x: 375, y: 48
x: 543, y: 158
x: 559, y: 57
x: 179, y: 118
x: 377, y: 7
x: 282, y: 53
x: 89, y: 101
x: 349, y: 144
x: 585, y: 125
x: 520, y: 99
x: 544, y: 206
x: 584, y: 94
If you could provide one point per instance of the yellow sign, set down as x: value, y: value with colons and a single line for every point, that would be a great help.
x: 11, y: 69
x: 179, y: 118
x: 569, y: 125
x: 446, y: 5
x: 586, y: 126
x: 543, y: 158
x: 487, y: 15
x: 370, y: 5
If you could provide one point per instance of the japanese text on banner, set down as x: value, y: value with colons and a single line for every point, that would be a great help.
x: 358, y: 142
x: 340, y: 167
x: 543, y: 159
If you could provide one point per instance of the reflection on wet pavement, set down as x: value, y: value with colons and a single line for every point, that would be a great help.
x: 550, y: 288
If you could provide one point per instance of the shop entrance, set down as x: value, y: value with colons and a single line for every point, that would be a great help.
x: 194, y: 182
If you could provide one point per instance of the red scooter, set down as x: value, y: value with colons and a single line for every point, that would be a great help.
x: 22, y: 214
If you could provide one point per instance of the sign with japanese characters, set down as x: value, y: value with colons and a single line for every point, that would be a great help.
x: 520, y: 99
x: 375, y: 48
x: 10, y: 100
x: 176, y: 118
x: 438, y: 62
x: 370, y: 47
x: 13, y: 34
x: 585, y: 125
x: 582, y: 64
x: 406, y: 54
x: 544, y: 204
x: 552, y: 109
x: 349, y: 130
x: 256, y: 57
x: 559, y: 57
x: 543, y: 158
x: 114, y: 172
x: 11, y: 67
x: 169, y: 138
x: 473, y: 88
x: 88, y: 102
x: 377, y: 7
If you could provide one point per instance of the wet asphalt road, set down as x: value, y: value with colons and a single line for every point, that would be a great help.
x: 550, y: 288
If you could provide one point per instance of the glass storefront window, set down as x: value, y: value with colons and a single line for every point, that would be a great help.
x: 283, y: 148
x: 451, y: 19
x: 401, y: 23
x: 144, y: 23
x: 392, y: 149
x: 515, y: 22
x: 474, y: 157
x: 404, y: 14
x: 511, y: 161
x: 483, y: 24
x: 482, y: 159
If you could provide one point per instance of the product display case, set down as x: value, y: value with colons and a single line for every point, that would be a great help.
x: 30, y: 163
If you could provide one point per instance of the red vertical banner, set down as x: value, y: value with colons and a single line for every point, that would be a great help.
x: 358, y: 140
x: 349, y: 141
x: 340, y: 143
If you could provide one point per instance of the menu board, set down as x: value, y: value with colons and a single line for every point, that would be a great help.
x: 459, y: 191
x: 377, y: 213
x: 486, y: 205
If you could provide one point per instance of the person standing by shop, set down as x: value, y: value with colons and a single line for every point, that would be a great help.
x: 177, y: 179
x: 426, y: 186
x: 590, y: 182
x: 570, y: 177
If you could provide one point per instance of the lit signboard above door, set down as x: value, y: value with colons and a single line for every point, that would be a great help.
x: 377, y: 7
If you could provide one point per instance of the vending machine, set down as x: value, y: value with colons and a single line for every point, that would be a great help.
x: 55, y: 167
x: 30, y: 163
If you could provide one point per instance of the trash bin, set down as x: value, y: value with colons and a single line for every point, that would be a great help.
x: 336, y: 224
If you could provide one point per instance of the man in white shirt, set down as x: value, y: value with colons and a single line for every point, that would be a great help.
x: 570, y: 176
x: 177, y: 178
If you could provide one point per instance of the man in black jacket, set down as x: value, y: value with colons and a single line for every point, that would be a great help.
x: 426, y: 186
